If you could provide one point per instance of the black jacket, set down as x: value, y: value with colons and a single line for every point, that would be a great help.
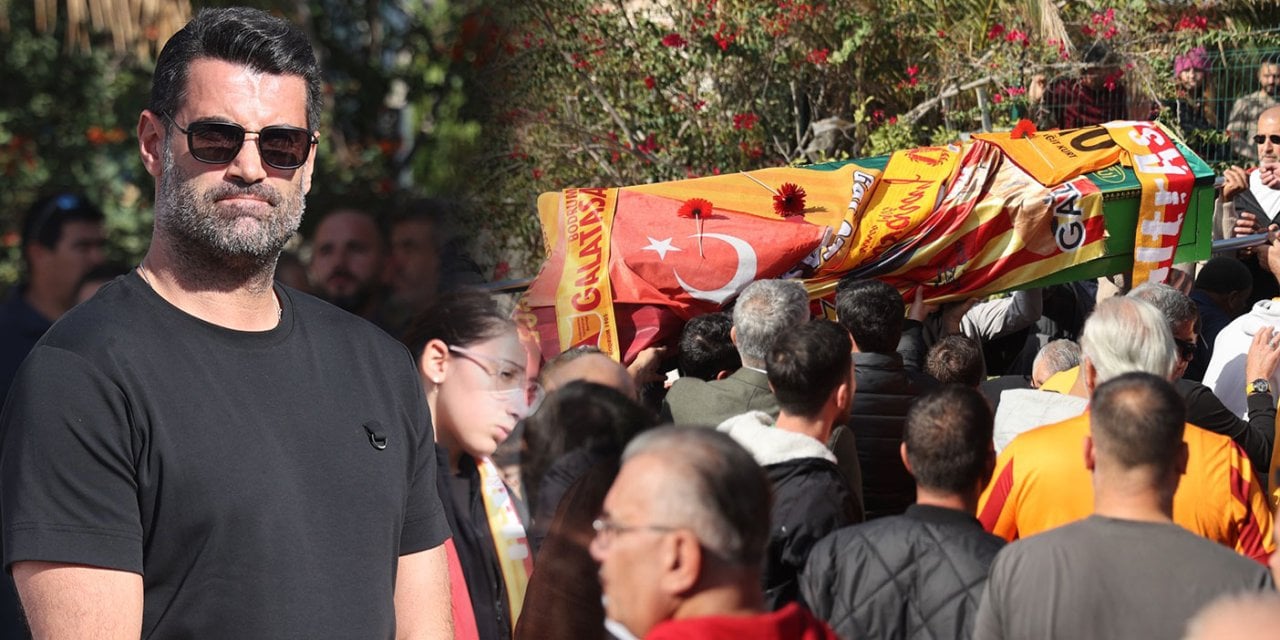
x: 810, y: 499
x: 918, y: 575
x: 886, y: 390
x: 1256, y: 436
x: 464, y: 507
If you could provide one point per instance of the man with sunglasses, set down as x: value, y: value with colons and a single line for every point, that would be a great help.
x: 62, y: 240
x: 1251, y: 201
x: 196, y: 452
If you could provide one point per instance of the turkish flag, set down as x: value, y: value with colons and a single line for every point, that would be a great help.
x: 655, y: 255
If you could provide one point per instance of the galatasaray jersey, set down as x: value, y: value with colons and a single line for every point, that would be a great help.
x: 1041, y: 482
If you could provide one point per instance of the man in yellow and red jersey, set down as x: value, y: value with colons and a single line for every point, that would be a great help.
x: 1040, y: 482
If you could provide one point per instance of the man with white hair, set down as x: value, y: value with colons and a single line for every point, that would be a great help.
x: 1036, y: 487
x: 680, y: 541
x: 1126, y: 570
x: 764, y: 310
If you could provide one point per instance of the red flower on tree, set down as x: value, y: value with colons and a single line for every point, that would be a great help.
x: 696, y: 208
x: 649, y: 82
x: 673, y: 40
x: 745, y: 120
x: 818, y: 56
x: 789, y: 200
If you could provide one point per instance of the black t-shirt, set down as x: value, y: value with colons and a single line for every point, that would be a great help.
x: 263, y: 483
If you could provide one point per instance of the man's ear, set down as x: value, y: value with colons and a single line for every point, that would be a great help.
x: 844, y: 393
x: 1090, y: 374
x: 433, y: 364
x: 1090, y: 461
x: 1180, y: 460
x: 682, y: 562
x: 733, y: 335
x: 151, y: 140
x: 902, y: 452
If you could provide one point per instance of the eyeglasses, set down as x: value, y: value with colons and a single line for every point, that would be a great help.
x: 1186, y: 348
x: 280, y: 146
x: 607, y: 529
x: 506, y: 378
x: 1274, y: 138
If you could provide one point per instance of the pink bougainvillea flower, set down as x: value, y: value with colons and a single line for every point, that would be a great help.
x: 997, y: 98
x: 995, y: 31
x: 673, y: 40
x: 789, y: 200
x: 913, y: 70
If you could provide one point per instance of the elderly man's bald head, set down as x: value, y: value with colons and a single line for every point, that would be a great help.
x: 589, y: 365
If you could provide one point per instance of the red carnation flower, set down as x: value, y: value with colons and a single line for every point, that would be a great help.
x: 1023, y: 129
x: 789, y: 200
x: 696, y: 208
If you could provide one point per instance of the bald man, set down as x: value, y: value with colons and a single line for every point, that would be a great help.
x: 588, y: 364
x: 1251, y: 201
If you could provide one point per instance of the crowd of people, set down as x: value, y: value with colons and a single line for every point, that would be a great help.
x: 1219, y: 128
x: 198, y: 447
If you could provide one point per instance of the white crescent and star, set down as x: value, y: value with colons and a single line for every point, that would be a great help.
x: 742, y: 276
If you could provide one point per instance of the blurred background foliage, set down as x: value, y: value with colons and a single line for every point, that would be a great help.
x: 488, y: 103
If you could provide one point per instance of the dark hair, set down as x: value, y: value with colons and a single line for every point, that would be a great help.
x: 706, y: 348
x: 725, y: 495
x: 1224, y: 274
x: 1137, y: 420
x: 873, y: 313
x: 239, y: 35
x: 46, y: 217
x: 956, y: 359
x: 433, y: 210
x: 458, y: 318
x: 948, y: 437
x: 807, y: 364
x: 579, y: 415
x: 378, y: 220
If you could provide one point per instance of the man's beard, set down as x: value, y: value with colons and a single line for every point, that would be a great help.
x: 205, y: 235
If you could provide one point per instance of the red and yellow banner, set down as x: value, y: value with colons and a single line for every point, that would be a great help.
x: 584, y: 299
x: 1166, y: 180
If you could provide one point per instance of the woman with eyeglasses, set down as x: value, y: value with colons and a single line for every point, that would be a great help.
x: 475, y: 374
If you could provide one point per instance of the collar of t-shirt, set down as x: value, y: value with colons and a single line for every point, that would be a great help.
x: 1267, y: 197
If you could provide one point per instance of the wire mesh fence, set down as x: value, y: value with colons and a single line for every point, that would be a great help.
x: 1212, y: 96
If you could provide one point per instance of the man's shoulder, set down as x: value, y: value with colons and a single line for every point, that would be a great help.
x: 1050, y: 437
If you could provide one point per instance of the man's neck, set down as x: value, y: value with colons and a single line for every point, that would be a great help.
x: 1129, y: 496
x: 964, y: 503
x: 817, y: 428
x: 241, y: 298
x: 49, y: 304
x: 732, y: 597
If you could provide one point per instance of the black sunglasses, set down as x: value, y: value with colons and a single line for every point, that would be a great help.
x: 280, y: 146
x: 1259, y: 139
x: 1186, y: 349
